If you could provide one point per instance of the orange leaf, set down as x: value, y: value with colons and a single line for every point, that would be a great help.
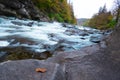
x: 42, y: 70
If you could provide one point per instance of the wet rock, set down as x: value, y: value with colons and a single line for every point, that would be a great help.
x: 52, y: 48
x: 82, y: 38
x: 84, y: 34
x: 95, y: 39
x: 30, y: 24
x: 67, y: 25
x: 25, y: 70
x: 23, y: 12
x: 90, y: 31
x: 45, y: 54
x: 21, y: 23
x: 65, y: 47
x: 18, y: 23
x: 2, y: 55
x: 8, y: 12
x: 76, y: 31
x: 64, y: 24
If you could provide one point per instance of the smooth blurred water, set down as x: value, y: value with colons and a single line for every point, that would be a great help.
x: 36, y: 35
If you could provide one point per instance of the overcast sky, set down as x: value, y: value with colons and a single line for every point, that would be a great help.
x: 86, y: 8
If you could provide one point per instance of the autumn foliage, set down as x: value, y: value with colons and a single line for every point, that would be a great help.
x: 102, y: 20
x: 58, y: 10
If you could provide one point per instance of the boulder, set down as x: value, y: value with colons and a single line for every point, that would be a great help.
x: 95, y: 39
x: 26, y: 70
x: 21, y: 9
x: 23, y: 12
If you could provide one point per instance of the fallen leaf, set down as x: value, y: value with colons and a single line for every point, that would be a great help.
x: 42, y: 70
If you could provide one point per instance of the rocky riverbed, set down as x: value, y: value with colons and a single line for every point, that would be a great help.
x: 26, y: 39
x: 89, y: 63
x: 97, y: 59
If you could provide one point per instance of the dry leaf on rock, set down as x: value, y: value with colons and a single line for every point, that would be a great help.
x: 41, y: 70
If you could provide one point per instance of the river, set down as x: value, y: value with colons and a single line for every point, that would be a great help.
x: 18, y: 38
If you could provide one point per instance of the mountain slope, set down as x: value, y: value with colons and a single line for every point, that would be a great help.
x: 44, y: 10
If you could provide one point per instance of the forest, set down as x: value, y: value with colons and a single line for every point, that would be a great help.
x: 105, y: 19
x: 57, y: 10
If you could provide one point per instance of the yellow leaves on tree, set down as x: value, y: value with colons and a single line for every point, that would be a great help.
x: 101, y: 20
x: 58, y: 10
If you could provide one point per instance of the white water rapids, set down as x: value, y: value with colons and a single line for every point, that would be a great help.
x: 37, y: 35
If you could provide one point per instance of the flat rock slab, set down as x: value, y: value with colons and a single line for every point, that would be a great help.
x: 92, y: 67
x: 25, y: 70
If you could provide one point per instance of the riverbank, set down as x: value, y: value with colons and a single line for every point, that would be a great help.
x: 57, y: 65
x: 28, y: 39
x: 89, y: 63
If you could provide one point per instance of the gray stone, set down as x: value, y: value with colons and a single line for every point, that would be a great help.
x: 7, y: 12
x: 14, y: 4
x: 98, y: 66
x: 95, y: 39
x: 23, y: 12
x: 25, y: 70
x: 21, y: 9
x: 21, y: 23
x: 2, y: 6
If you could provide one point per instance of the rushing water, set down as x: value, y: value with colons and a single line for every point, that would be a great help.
x: 39, y: 37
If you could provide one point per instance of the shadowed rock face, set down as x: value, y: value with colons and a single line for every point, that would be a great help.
x: 25, y: 70
x: 20, y: 9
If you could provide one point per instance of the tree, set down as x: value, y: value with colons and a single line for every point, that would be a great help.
x: 101, y: 20
x: 117, y: 10
x: 102, y: 9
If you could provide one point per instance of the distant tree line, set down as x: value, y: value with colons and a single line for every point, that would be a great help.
x: 105, y: 19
